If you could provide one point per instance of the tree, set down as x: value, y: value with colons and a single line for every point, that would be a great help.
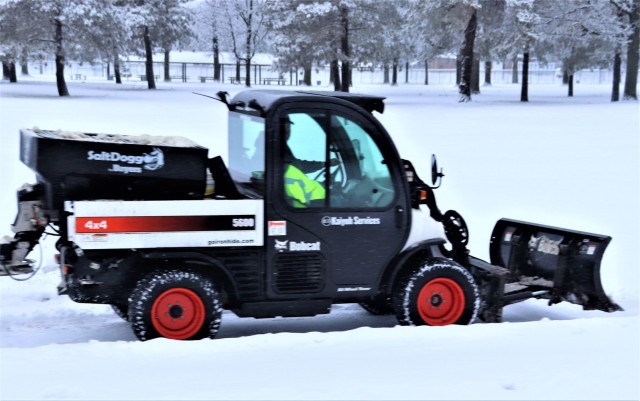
x: 247, y: 29
x: 466, y: 53
x: 144, y: 18
x: 632, y: 10
x: 391, y: 36
x: 53, y: 21
x: 171, y: 27
x: 209, y: 21
x: 109, y: 37
x: 298, y: 34
x: 521, y: 18
x: 23, y: 32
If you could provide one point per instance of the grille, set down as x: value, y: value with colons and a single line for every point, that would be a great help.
x: 299, y: 273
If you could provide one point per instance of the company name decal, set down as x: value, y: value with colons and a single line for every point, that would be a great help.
x: 328, y: 221
x: 295, y: 246
x: 153, y: 160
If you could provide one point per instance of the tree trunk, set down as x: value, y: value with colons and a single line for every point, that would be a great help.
x: 458, y: 69
x: 394, y: 73
x: 167, y: 70
x: 13, y: 77
x: 116, y: 66
x: 247, y: 72
x: 633, y: 54
x: 406, y: 72
x: 565, y: 76
x: 617, y: 66
x: 488, y: 66
x: 5, y: 70
x: 524, y: 93
x: 151, y: 79
x: 467, y: 57
x: 475, y: 75
x: 346, y: 53
x: 570, y: 93
x: 247, y: 67
x: 24, y: 63
x: 60, y: 60
x: 514, y: 70
x: 386, y: 74
x: 216, y: 59
x: 426, y: 72
x: 335, y: 74
x: 307, y: 74
x: 237, y: 70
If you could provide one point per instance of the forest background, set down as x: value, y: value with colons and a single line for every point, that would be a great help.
x: 337, y: 34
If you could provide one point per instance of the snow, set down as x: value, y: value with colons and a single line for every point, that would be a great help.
x: 568, y: 162
x: 175, y: 141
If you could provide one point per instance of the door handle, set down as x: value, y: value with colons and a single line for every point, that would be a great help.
x: 399, y: 216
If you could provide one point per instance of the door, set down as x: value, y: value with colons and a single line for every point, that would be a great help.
x: 338, y: 209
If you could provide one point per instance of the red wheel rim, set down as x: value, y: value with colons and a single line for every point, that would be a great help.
x: 441, y: 302
x: 178, y: 313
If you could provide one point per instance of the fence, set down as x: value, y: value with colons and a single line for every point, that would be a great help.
x: 263, y: 74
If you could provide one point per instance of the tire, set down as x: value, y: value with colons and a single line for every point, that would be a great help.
x: 440, y: 292
x: 121, y: 310
x: 175, y: 304
x: 379, y: 305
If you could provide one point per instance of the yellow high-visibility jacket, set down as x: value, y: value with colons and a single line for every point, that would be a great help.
x: 300, y: 188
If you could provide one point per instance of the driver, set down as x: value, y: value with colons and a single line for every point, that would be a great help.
x: 306, y: 166
x: 300, y: 189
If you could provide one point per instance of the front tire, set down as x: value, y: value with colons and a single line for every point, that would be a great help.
x: 175, y: 304
x: 438, y: 293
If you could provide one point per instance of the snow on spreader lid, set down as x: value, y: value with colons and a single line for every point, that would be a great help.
x: 151, y: 140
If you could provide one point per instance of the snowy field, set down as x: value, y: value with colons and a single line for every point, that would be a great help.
x: 568, y: 162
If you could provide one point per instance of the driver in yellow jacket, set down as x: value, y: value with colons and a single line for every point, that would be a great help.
x: 300, y: 189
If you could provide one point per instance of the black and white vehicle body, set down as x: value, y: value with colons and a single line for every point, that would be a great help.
x: 142, y: 228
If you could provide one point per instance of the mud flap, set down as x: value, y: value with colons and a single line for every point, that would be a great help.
x: 550, y: 262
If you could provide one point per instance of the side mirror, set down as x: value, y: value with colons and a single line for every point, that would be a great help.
x: 435, y: 174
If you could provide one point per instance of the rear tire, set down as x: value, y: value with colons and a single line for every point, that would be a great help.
x: 438, y: 293
x: 175, y: 304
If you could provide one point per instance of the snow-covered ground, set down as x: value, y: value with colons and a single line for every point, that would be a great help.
x: 568, y: 162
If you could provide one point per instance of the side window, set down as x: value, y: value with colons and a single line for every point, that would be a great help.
x: 304, y: 155
x: 332, y: 161
x: 363, y: 178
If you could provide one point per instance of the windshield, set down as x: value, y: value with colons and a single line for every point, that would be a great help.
x: 246, y: 148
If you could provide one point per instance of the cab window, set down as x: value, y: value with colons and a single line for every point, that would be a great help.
x: 331, y: 161
x: 247, y: 150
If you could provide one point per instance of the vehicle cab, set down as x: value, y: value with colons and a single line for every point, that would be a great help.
x: 311, y: 247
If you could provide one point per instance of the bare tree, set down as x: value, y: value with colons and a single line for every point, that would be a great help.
x: 250, y: 16
x: 466, y: 54
x: 633, y: 52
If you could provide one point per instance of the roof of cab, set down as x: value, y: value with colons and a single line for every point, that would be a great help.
x: 263, y: 99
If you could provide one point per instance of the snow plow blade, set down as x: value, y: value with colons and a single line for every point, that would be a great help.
x: 550, y: 263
